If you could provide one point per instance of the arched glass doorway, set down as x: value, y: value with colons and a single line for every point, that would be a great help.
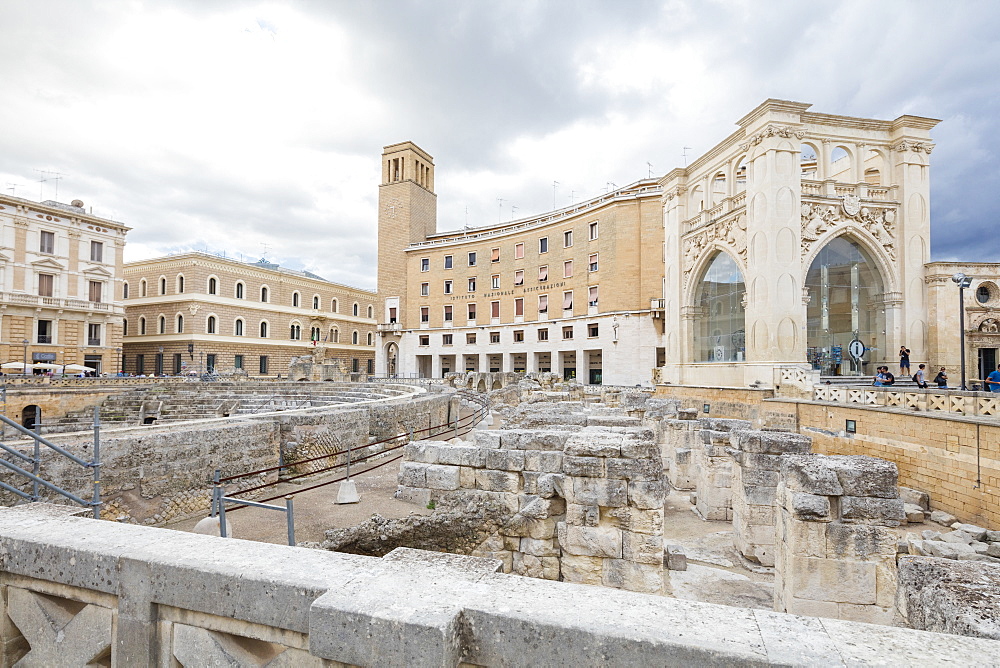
x: 845, y: 292
x: 391, y: 357
x: 720, y: 327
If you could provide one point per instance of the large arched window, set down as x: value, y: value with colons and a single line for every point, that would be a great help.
x: 295, y: 333
x: 213, y: 286
x: 354, y: 337
x: 238, y: 327
x: 142, y: 325
x: 180, y: 324
x: 844, y: 286
x: 263, y: 294
x: 239, y: 290
x: 720, y: 328
x: 295, y: 299
x: 163, y: 325
x: 210, y: 327
x: 263, y: 329
x: 355, y: 310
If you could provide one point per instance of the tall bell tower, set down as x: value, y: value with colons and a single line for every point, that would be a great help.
x: 407, y: 213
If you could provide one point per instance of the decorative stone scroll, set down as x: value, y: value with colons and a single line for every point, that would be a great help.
x: 915, y: 146
x: 818, y: 219
x: 772, y: 131
x: 730, y: 233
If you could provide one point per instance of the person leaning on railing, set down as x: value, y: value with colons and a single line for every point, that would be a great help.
x: 993, y: 380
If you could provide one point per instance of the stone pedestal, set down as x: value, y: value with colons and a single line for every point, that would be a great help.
x: 756, y: 456
x: 835, y: 555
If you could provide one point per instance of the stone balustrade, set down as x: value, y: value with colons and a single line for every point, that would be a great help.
x: 948, y: 401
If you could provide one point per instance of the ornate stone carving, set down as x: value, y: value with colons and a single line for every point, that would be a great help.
x: 915, y: 146
x: 990, y: 326
x: 731, y: 233
x: 772, y: 131
x: 818, y: 219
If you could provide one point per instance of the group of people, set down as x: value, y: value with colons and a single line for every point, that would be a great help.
x: 884, y: 377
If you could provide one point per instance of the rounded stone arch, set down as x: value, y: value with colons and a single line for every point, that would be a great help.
x: 213, y: 285
x: 143, y: 288
x: 142, y: 325
x: 316, y: 301
x: 124, y: 289
x: 371, y: 311
x: 240, y: 290
x: 295, y: 330
x: 391, y: 359
x: 161, y: 323
x: 716, y: 298
x: 719, y: 185
x: 179, y: 323
x: 851, y: 152
x: 355, y: 337
x: 161, y: 283
x: 265, y: 293
x: 496, y: 384
x: 30, y: 416
x: 739, y: 169
x: 880, y: 164
x: 696, y: 200
x: 239, y: 327
x: 212, y: 323
x: 701, y: 266
x: 356, y: 309
x: 811, y: 159
x: 179, y: 281
x: 296, y: 299
x: 871, y: 246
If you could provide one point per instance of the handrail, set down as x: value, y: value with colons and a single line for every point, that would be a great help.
x: 44, y: 441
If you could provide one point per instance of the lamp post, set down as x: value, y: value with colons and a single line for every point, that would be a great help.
x: 24, y: 368
x: 121, y: 371
x: 159, y: 361
x: 963, y: 282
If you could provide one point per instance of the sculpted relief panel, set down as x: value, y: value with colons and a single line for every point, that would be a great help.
x: 818, y: 219
x: 731, y: 233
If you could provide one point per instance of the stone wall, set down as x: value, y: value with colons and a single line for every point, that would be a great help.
x: 77, y: 591
x: 756, y: 457
x: 725, y: 402
x: 585, y: 495
x: 956, y: 459
x: 950, y: 596
x: 714, y: 468
x: 836, y: 557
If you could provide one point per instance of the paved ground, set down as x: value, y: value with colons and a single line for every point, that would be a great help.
x: 317, y: 510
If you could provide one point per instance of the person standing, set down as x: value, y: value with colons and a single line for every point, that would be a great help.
x: 993, y: 380
x: 919, y: 379
x: 904, y: 361
x: 941, y: 378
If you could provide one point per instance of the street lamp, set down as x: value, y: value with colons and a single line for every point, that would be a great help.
x: 963, y: 282
x: 159, y: 361
x: 121, y: 371
x: 24, y: 369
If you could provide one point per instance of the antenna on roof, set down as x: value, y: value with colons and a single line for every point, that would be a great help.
x: 513, y: 208
x: 12, y: 187
x: 555, y: 187
x: 572, y: 193
x: 47, y: 175
x: 650, y: 165
x: 684, y: 154
x: 500, y: 211
x: 266, y: 248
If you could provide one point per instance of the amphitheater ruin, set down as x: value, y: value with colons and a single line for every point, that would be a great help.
x: 557, y: 523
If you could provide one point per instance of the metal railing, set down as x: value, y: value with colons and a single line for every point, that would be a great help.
x: 34, y: 476
x: 456, y: 427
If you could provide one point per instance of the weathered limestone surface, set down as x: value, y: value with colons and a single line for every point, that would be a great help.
x: 835, y: 556
x: 714, y: 468
x: 756, y: 456
x: 960, y: 597
x: 183, y: 598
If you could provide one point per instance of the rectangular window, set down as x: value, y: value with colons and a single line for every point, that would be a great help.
x: 568, y: 300
x: 494, y: 255
x: 96, y: 251
x: 93, y: 334
x: 472, y: 311
x: 424, y: 340
x: 44, y: 331
x: 592, y: 262
x: 472, y: 285
x: 543, y: 245
x: 519, y: 251
x: 593, y: 231
x: 238, y: 362
x: 543, y: 273
x: 210, y: 362
x: 567, y: 238
x: 519, y: 277
x: 448, y: 311
x: 425, y: 314
x: 47, y: 242
x: 568, y: 269
x: 592, y: 330
x: 472, y: 259
x: 592, y: 297
x: 96, y: 288
x: 355, y: 365
x: 179, y: 365
x: 45, y: 283
x: 263, y: 364
x: 519, y: 306
x: 392, y: 314
x: 470, y: 338
x: 543, y: 303
x: 448, y: 261
x: 518, y: 336
x: 425, y: 264
x: 567, y: 332
x: 494, y: 309
x: 140, y: 364
x: 371, y: 367
x: 495, y: 281
x: 448, y: 287
x: 494, y: 337
x: 543, y: 335
x: 447, y: 339
x: 425, y: 289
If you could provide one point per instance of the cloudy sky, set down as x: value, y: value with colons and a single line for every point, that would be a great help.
x: 248, y: 128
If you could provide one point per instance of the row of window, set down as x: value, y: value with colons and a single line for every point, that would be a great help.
x: 239, y: 292
x: 47, y: 283
x: 212, y: 327
x: 46, y: 332
x: 543, y: 275
x: 543, y: 247
x: 138, y: 366
x: 47, y: 245
x: 543, y: 306
x: 593, y: 331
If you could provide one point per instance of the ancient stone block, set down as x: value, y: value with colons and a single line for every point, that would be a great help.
x: 634, y: 469
x: 462, y: 455
x: 498, y: 481
x: 590, y: 541
x: 489, y: 439
x: 594, y: 444
x: 640, y: 521
x: 676, y: 560
x: 543, y: 460
x: 833, y: 580
x: 419, y: 496
x: 941, y: 517
x: 582, y: 570
x: 647, y: 494
x: 886, y: 511
x: 633, y: 576
x: 540, y: 547
x: 596, y: 492
x: 443, y: 477
x: 640, y: 450
x: 854, y: 541
x: 582, y: 515
x: 642, y: 547
x: 915, y: 497
x: 412, y: 474
x: 806, y: 473
x: 426, y: 453
x: 976, y: 532
x: 809, y: 507
x: 505, y: 460
x: 591, y: 467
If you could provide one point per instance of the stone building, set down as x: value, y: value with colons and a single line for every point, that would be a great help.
x: 574, y: 291
x: 60, y: 284
x: 199, y: 312
x: 798, y: 239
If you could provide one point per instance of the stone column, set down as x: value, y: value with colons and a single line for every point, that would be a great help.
x: 675, y: 343
x: 679, y: 438
x: 756, y: 457
x: 836, y: 556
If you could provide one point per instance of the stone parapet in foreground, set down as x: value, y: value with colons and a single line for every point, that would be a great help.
x: 81, y: 591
